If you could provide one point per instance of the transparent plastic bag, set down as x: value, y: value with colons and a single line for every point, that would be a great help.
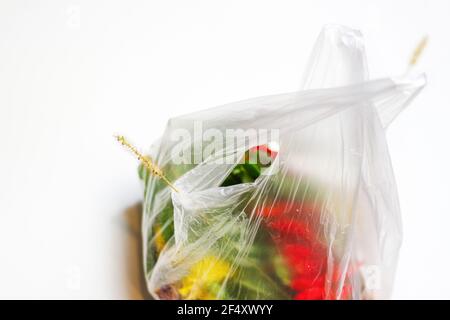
x: 314, y: 216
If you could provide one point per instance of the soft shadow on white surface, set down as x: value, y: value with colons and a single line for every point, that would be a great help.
x: 134, y: 276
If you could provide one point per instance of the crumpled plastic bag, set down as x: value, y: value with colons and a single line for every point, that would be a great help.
x: 315, y: 216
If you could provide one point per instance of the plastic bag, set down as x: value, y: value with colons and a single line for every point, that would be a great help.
x: 289, y: 196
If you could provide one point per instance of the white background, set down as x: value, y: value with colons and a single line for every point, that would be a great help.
x: 72, y: 73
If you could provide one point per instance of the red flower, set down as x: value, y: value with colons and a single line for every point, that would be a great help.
x: 265, y: 149
x: 296, y: 231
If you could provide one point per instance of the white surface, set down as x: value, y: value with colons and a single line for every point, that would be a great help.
x: 72, y: 73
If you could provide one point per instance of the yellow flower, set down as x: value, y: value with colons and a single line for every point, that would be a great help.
x: 159, y: 239
x: 204, y: 279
